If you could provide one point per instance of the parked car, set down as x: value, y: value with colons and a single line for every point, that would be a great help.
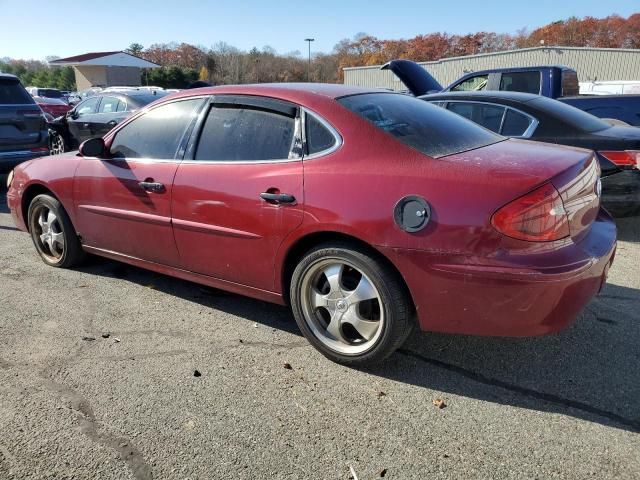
x: 524, y: 115
x: 46, y: 92
x: 52, y: 107
x: 361, y: 209
x: 95, y: 116
x: 23, y: 130
x: 558, y: 82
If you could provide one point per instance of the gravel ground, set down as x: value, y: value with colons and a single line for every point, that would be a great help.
x: 74, y: 404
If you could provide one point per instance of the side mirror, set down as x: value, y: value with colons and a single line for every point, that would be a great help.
x: 94, y: 147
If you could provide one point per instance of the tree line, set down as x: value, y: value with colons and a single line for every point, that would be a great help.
x: 183, y: 63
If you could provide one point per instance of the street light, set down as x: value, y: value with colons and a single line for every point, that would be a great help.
x: 309, y: 40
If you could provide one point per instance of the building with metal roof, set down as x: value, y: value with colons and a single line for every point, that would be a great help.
x: 106, y: 69
x: 592, y: 64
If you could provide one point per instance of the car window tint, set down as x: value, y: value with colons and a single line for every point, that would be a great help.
x: 479, y: 82
x: 528, y: 82
x: 88, y: 106
x: 108, y: 105
x: 319, y: 138
x: 431, y: 130
x: 12, y: 93
x: 572, y: 116
x: 236, y: 133
x: 489, y: 116
x: 157, y: 133
x: 515, y: 124
x: 122, y: 106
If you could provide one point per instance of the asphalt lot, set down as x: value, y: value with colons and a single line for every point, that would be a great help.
x: 562, y: 406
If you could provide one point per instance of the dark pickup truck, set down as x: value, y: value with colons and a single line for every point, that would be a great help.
x: 553, y: 81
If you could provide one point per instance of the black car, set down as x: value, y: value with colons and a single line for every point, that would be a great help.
x: 23, y: 129
x: 96, y: 115
x: 524, y: 115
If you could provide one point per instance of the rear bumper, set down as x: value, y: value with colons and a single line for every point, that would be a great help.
x: 509, y: 299
x: 9, y: 160
x: 621, y: 193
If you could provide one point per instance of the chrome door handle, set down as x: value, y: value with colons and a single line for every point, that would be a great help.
x: 154, y: 187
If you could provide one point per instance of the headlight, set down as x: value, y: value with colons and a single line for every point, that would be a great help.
x: 10, y: 179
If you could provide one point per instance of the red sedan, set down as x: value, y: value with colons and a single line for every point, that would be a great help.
x: 368, y: 212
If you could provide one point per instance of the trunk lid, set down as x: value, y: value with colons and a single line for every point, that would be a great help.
x: 416, y: 79
x: 523, y: 166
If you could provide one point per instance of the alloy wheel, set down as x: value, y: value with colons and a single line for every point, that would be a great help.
x: 342, y: 306
x: 49, y: 233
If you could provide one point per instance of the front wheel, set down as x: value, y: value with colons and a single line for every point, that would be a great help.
x: 52, y: 233
x: 350, y: 305
x: 56, y: 143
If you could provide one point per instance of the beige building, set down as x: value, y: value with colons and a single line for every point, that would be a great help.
x: 592, y: 64
x: 106, y: 69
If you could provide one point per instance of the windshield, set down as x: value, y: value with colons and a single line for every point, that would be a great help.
x: 431, y: 130
x: 49, y: 92
x: 578, y: 119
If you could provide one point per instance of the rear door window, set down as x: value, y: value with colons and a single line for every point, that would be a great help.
x: 489, y: 116
x: 236, y: 132
x: 528, y: 82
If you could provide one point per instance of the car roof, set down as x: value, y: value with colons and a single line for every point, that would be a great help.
x: 8, y: 76
x: 294, y: 92
x: 484, y: 95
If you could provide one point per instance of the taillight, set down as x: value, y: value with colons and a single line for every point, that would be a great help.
x: 538, y: 216
x: 623, y: 158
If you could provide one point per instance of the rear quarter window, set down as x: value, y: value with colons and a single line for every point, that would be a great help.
x: 431, y: 130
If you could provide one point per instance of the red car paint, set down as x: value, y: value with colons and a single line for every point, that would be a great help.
x: 53, y: 106
x: 463, y: 275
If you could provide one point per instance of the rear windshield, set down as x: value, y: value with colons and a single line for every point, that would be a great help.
x: 145, y: 98
x: 431, y: 130
x: 49, y: 92
x: 581, y: 121
x: 12, y: 93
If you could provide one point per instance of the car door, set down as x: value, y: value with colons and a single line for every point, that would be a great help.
x: 123, y: 202
x: 80, y: 118
x: 239, y: 190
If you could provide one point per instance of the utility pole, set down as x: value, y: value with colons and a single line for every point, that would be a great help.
x: 309, y: 40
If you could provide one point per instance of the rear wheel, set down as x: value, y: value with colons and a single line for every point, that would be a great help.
x: 52, y: 233
x: 351, y: 306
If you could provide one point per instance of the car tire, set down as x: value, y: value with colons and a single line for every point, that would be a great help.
x: 52, y: 232
x: 350, y: 305
x: 56, y: 143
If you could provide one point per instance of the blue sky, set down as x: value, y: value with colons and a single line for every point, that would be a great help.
x: 67, y: 28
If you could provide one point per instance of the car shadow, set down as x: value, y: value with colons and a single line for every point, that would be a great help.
x: 629, y: 229
x: 589, y: 371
